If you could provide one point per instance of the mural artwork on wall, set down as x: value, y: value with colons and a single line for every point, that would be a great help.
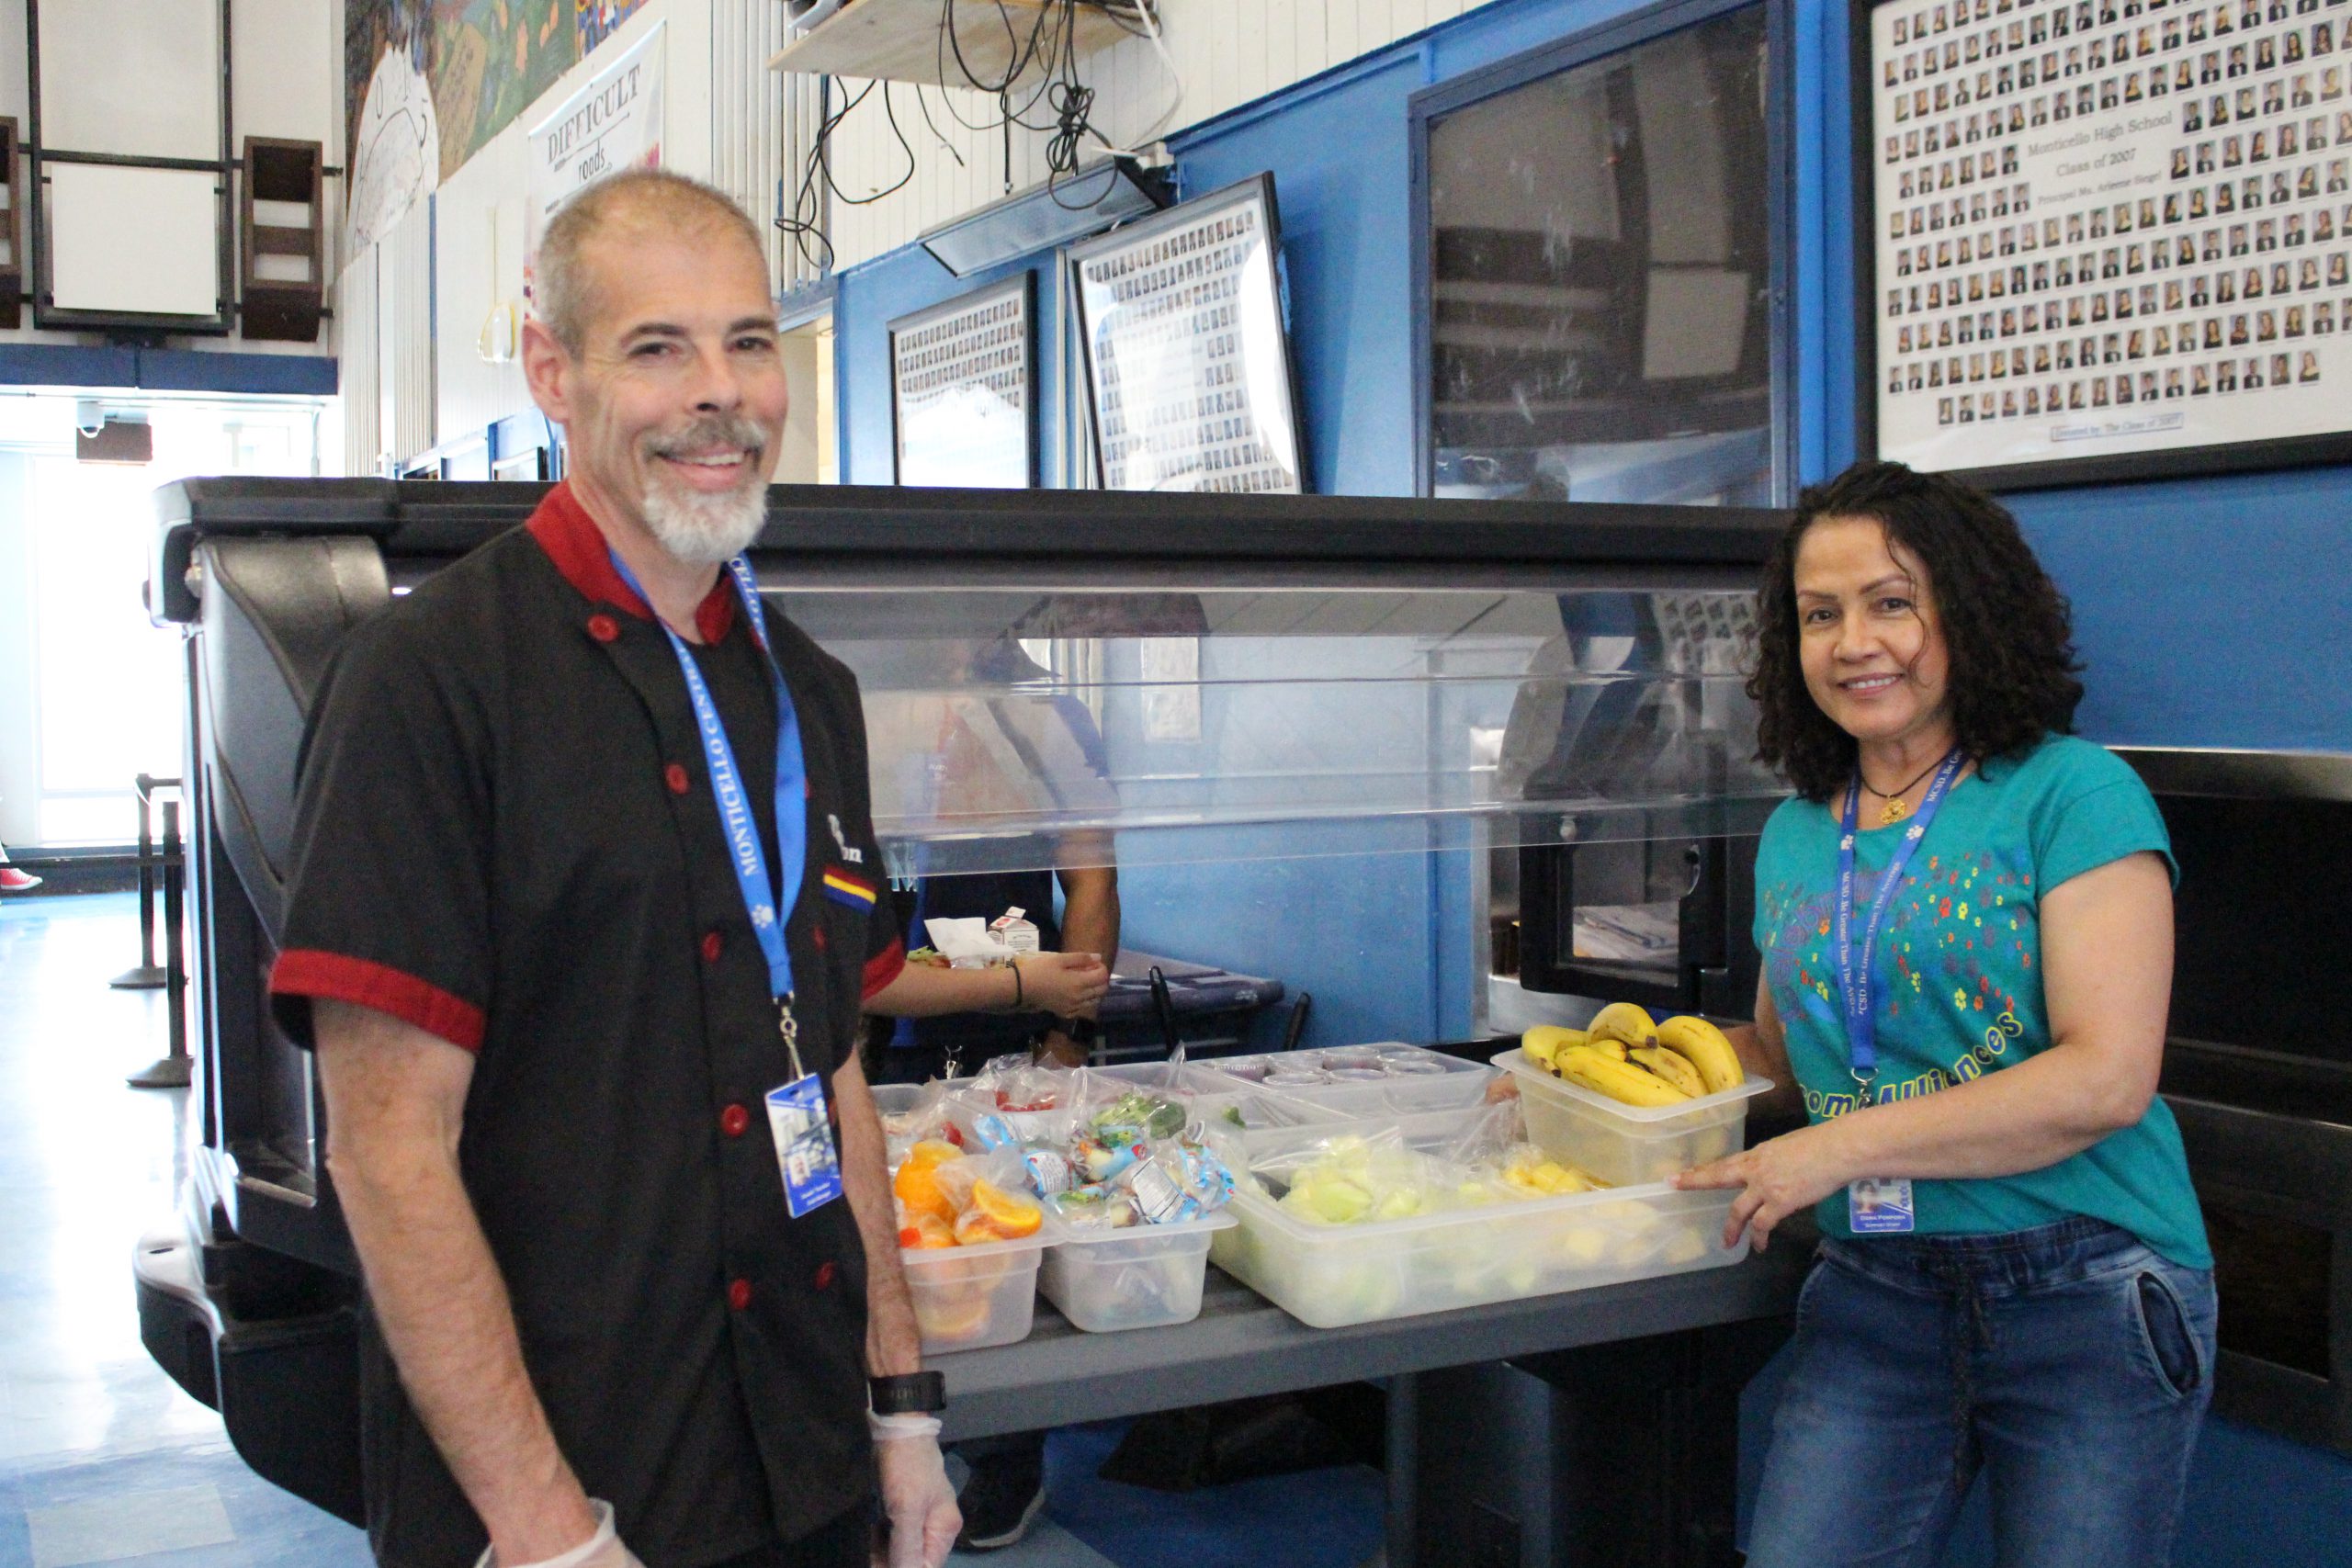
x: 428, y: 83
x: 389, y: 125
x: 2111, y: 237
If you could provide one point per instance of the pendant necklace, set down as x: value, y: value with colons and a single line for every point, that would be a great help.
x: 1896, y: 809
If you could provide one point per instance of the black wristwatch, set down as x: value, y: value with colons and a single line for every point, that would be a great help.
x: 908, y: 1394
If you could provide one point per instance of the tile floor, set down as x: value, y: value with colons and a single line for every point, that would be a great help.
x: 103, y: 1459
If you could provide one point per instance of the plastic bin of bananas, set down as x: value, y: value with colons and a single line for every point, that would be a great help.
x: 1635, y: 1060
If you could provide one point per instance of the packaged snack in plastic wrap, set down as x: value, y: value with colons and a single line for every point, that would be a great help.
x: 1173, y: 1182
x: 926, y: 1119
x: 940, y: 1191
x: 1099, y: 1159
x: 1098, y: 1206
x: 1139, y: 1116
x: 1049, y: 1170
x: 1014, y: 1083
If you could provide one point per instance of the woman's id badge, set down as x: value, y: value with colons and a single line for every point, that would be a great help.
x: 1879, y: 1205
x: 804, y: 1145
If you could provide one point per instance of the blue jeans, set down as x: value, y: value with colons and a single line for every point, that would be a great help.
x: 2068, y: 1362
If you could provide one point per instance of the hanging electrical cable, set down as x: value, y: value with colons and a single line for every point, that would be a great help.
x: 1046, y: 51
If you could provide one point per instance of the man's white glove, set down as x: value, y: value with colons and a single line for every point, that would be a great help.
x: 603, y: 1550
x: 916, y: 1498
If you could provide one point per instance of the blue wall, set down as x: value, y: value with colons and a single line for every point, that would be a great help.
x: 2209, y: 609
x: 2212, y: 611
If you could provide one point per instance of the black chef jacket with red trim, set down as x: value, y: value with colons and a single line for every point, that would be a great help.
x: 506, y: 836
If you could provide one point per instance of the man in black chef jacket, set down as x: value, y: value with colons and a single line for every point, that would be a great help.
x: 557, y: 807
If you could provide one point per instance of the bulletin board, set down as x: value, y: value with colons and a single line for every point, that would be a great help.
x: 1187, y: 363
x: 2105, y: 238
x: 964, y: 389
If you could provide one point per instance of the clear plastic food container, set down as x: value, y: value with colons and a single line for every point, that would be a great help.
x: 1627, y: 1145
x: 1330, y: 1275
x: 1388, y: 1079
x: 968, y: 1298
x: 1143, y: 1277
x: 1215, y: 1101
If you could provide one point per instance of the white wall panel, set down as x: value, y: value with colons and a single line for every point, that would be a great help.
x: 404, y: 283
x: 287, y: 56
x: 478, y: 221
x: 361, y: 378
x: 747, y: 112
x: 1228, y: 52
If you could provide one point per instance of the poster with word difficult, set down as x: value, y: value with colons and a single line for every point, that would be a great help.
x: 963, y: 395
x: 1185, y: 355
x: 2109, y: 228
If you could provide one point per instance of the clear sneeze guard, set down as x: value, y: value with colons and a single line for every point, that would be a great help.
x: 1013, y: 730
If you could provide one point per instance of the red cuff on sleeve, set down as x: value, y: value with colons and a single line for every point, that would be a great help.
x: 304, y: 972
x: 883, y: 968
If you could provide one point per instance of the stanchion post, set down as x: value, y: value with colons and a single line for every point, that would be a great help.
x: 148, y: 975
x: 173, y: 1071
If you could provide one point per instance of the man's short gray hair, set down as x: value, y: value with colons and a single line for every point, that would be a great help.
x: 650, y: 202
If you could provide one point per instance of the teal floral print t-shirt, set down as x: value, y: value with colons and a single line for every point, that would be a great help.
x: 1959, y: 978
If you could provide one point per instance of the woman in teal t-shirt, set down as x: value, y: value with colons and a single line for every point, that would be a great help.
x: 1965, y: 918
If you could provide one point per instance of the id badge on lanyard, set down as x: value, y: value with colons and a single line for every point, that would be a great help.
x: 804, y: 1145
x: 805, y: 1152
x: 1875, y: 1205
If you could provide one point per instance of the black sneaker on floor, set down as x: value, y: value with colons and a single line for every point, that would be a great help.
x: 1001, y: 1500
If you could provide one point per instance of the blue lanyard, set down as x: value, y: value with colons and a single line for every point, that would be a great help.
x: 769, y: 905
x: 1856, y: 976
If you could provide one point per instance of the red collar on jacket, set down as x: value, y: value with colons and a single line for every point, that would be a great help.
x: 579, y: 550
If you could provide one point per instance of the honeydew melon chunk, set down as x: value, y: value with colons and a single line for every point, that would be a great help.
x: 1685, y: 1245
x: 1584, y: 1244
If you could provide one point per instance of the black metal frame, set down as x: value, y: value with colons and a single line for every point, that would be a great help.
x: 1614, y: 37
x: 1260, y: 185
x: 1024, y: 284
x: 2229, y: 457
x: 973, y: 534
x: 45, y: 316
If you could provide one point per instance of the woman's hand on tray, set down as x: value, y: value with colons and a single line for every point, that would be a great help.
x: 1778, y: 1178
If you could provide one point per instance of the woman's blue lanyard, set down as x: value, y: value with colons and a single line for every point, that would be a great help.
x: 769, y: 905
x: 1856, y: 974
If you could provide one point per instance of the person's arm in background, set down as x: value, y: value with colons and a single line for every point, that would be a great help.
x: 1089, y: 924
x: 1059, y: 983
x: 2107, y: 944
x: 395, y: 1101
x: 916, y: 1498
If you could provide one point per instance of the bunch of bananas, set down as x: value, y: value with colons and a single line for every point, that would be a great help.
x: 1632, y: 1058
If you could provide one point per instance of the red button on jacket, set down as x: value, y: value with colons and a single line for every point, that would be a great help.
x: 710, y: 947
x: 603, y: 628
x: 674, y: 776
x: 739, y: 1293
x: 734, y: 1120
x: 826, y: 1273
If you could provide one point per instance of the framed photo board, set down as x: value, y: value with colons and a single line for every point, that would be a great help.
x: 964, y: 389
x: 1187, y: 367
x: 2106, y: 239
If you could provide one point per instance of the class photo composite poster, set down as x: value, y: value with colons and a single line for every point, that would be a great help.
x: 2110, y: 228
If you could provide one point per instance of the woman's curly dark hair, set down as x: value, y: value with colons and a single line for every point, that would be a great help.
x: 2006, y: 625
